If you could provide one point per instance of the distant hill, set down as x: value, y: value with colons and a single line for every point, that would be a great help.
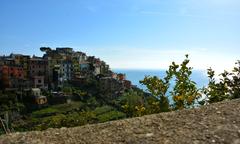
x: 216, y: 123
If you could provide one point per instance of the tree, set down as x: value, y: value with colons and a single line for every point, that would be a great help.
x: 216, y: 91
x: 132, y: 103
x: 228, y: 86
x: 67, y: 90
x: 8, y: 105
x: 234, y: 83
x: 159, y: 87
x: 185, y: 91
x: 45, y: 49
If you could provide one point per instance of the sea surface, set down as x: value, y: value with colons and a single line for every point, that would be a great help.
x: 200, y: 77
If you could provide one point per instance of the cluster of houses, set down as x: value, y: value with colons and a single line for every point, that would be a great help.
x: 54, y: 69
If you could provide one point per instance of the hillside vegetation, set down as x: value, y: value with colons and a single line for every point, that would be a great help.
x: 88, y: 104
x: 216, y: 123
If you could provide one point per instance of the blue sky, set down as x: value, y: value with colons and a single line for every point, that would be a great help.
x: 136, y: 34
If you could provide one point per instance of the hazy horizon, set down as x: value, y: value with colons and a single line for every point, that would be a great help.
x: 127, y: 34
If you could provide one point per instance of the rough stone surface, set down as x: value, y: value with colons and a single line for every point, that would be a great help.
x: 217, y: 123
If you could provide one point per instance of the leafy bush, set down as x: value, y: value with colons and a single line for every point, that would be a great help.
x: 103, y: 109
x: 65, y: 120
x: 67, y: 90
x: 228, y: 86
x: 184, y: 92
x: 132, y: 103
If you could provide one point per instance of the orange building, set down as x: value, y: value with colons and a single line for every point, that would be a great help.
x: 12, y: 71
x: 8, y: 73
x: 121, y: 77
x: 22, y: 60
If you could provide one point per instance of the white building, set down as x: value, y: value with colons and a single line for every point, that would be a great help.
x: 66, y: 70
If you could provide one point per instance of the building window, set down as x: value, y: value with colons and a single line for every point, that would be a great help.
x: 39, y: 81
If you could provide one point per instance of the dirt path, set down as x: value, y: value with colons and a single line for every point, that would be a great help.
x: 217, y: 123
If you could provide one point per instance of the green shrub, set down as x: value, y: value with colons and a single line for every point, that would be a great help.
x: 45, y: 112
x: 227, y: 87
x: 102, y: 110
x: 184, y: 93
x: 112, y: 115
x: 58, y: 109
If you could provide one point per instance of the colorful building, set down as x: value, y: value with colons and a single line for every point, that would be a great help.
x: 38, y: 72
x: 52, y: 70
x: 66, y: 70
x: 38, y: 66
x: 121, y: 77
x: 24, y: 61
x: 10, y: 75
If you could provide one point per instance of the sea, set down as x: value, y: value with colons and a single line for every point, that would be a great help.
x: 198, y: 76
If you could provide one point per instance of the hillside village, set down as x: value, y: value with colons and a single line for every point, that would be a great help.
x: 64, y: 88
x: 55, y: 69
x: 63, y: 84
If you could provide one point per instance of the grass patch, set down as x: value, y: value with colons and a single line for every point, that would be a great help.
x: 58, y: 109
x: 103, y: 109
x: 112, y: 115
